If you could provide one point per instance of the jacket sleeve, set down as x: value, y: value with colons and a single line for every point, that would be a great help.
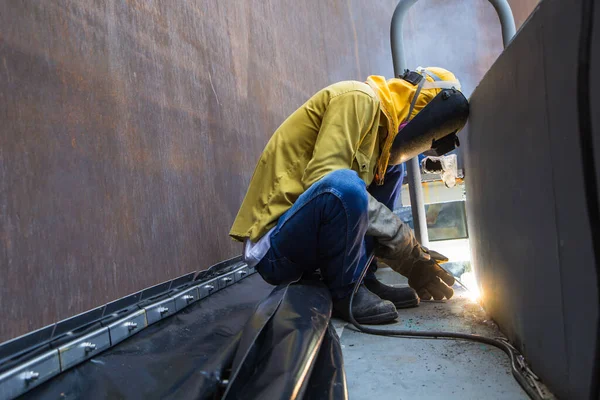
x: 347, y: 119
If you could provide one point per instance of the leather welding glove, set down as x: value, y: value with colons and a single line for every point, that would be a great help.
x: 398, y: 248
x: 437, y: 257
x: 430, y: 281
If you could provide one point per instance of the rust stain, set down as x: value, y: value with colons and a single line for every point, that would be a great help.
x: 151, y: 9
x: 160, y: 166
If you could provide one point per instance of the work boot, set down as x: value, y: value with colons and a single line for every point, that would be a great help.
x: 402, y: 297
x: 367, y: 308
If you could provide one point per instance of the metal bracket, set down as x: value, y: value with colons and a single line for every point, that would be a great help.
x: 34, y: 372
x: 186, y: 298
x: 160, y: 310
x: 126, y: 327
x: 83, y: 348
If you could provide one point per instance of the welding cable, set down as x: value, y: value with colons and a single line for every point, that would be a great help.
x: 521, y: 372
x: 586, y: 145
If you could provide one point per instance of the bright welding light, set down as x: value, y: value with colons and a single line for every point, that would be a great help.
x: 469, y: 280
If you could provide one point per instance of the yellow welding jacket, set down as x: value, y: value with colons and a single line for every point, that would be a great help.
x: 343, y: 126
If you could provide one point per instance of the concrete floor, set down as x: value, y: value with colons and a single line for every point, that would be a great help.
x: 383, y: 368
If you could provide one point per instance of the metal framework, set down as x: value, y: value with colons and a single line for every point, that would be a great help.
x: 417, y: 202
x: 30, y: 360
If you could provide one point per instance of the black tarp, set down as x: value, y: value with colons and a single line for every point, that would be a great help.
x: 286, y: 339
x: 272, y: 339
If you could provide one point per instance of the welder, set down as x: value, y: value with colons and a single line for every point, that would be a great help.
x: 323, y: 191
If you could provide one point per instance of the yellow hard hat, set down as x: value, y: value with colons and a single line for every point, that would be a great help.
x: 435, y: 80
x: 438, y: 78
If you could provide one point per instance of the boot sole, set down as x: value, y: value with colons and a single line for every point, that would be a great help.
x: 378, y: 318
x: 407, y: 303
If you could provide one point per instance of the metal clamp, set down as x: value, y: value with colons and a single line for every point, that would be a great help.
x: 160, y: 310
x: 18, y: 380
x: 31, y: 376
x: 227, y: 280
x: 131, y: 326
x: 241, y: 274
x: 88, y: 347
x: 74, y: 352
x: 208, y: 288
x: 188, y: 298
x: 185, y: 298
x: 163, y: 310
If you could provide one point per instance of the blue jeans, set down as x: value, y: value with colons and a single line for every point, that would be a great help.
x: 389, y: 192
x: 324, y: 229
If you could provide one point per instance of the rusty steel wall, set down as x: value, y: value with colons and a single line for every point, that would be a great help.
x: 130, y: 129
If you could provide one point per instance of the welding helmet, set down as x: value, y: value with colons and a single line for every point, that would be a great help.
x: 434, y: 128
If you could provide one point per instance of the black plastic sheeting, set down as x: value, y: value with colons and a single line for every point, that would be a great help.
x: 328, y: 380
x: 288, y: 337
x: 182, y: 356
x: 272, y: 342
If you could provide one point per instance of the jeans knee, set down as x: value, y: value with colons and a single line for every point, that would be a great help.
x: 350, y: 188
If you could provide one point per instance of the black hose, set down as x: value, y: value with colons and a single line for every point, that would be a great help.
x: 516, y: 366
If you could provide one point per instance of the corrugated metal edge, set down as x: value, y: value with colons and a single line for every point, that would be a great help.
x: 233, y: 274
x: 21, y: 346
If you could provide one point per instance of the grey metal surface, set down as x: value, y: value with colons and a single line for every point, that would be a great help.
x: 162, y: 309
x: 595, y: 105
x: 399, y: 368
x: 574, y: 246
x: 595, y: 88
x: 83, y: 348
x: 417, y: 202
x: 126, y: 327
x: 27, y: 376
x: 530, y: 235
